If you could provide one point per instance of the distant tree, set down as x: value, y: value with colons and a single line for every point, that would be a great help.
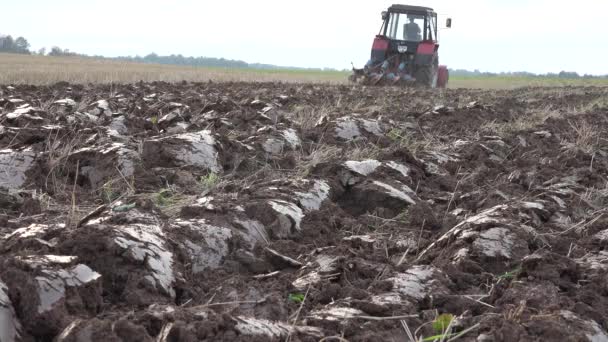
x: 19, y: 45
x: 568, y: 74
x: 151, y: 58
x: 56, y: 51
x: 42, y: 51
x: 8, y: 44
x: 22, y: 45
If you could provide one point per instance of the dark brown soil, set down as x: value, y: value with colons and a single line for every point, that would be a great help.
x: 255, y: 212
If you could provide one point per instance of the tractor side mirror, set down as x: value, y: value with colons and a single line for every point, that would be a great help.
x: 448, y: 23
x: 384, y: 15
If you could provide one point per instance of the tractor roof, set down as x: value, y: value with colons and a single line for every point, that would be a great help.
x: 409, y: 9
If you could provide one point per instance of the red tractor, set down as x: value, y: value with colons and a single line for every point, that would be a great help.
x: 406, y: 50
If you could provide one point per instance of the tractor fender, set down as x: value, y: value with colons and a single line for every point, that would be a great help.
x: 426, y: 53
x: 379, y: 49
x: 443, y: 76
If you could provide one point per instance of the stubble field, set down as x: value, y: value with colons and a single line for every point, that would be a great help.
x: 47, y: 70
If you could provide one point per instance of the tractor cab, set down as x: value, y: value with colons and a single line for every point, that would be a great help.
x: 403, y: 30
x: 409, y: 23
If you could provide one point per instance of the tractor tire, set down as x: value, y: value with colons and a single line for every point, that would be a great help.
x: 426, y: 76
x: 443, y: 76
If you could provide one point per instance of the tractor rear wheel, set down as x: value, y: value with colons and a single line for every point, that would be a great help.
x: 426, y: 75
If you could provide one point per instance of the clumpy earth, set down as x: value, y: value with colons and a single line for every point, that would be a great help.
x: 275, y: 212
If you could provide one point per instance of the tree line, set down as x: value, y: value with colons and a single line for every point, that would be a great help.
x: 22, y: 46
x: 14, y: 45
x: 208, y: 62
x: 188, y: 61
x: 561, y: 74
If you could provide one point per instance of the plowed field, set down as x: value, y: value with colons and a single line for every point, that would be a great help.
x: 274, y: 212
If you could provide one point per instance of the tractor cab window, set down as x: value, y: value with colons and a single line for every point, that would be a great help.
x: 410, y: 27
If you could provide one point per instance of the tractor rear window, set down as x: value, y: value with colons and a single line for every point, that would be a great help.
x: 405, y: 27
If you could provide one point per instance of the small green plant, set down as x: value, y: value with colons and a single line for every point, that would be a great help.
x: 154, y: 120
x: 404, y: 140
x: 442, y: 322
x: 210, y: 180
x: 403, y: 216
x: 395, y: 134
x: 164, y: 198
x: 108, y: 193
x: 442, y: 326
x: 511, y: 274
x: 123, y: 208
x: 296, y: 297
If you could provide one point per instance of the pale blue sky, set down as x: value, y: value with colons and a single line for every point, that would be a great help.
x: 507, y: 35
